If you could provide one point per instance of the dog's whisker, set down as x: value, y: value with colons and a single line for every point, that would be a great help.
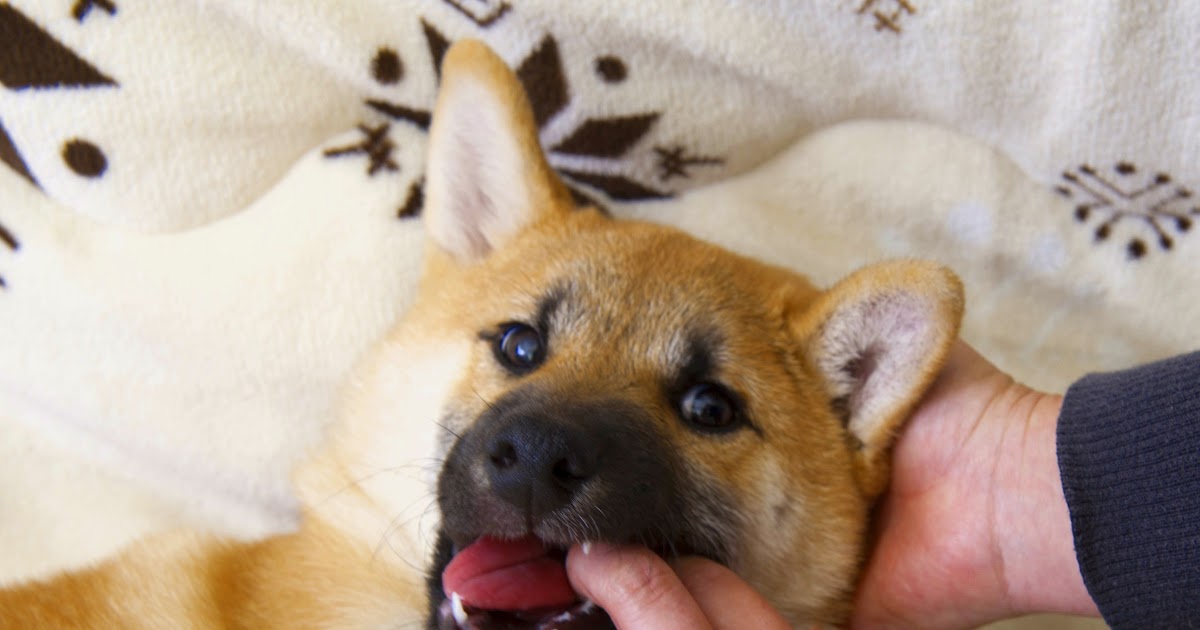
x: 424, y: 464
x: 447, y: 429
x: 408, y: 563
x: 355, y: 483
x: 430, y: 507
x: 421, y: 520
x: 595, y: 530
x: 395, y: 523
x: 481, y: 398
x: 385, y: 538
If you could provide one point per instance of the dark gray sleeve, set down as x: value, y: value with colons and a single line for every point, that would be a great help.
x: 1129, y: 455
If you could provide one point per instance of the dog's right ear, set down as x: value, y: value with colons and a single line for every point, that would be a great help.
x: 486, y: 176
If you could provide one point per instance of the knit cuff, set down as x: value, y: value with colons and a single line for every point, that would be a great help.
x: 1129, y: 456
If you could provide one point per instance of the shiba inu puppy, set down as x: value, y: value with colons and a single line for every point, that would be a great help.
x: 562, y: 377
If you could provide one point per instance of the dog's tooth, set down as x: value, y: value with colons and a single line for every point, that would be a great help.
x: 460, y: 613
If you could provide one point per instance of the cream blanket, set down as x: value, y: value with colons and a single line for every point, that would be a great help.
x: 208, y: 210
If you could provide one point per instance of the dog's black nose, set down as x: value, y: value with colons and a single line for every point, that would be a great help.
x: 538, y: 464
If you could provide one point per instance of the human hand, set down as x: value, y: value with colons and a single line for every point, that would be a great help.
x: 974, y: 527
x: 640, y: 590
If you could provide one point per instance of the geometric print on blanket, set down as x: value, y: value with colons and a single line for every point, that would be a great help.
x: 889, y: 14
x: 10, y: 242
x: 1145, y: 206
x: 32, y: 59
x: 598, y: 148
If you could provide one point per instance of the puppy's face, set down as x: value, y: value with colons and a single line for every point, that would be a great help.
x: 624, y: 382
x: 591, y: 379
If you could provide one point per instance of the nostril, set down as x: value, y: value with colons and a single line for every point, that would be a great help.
x: 568, y: 472
x: 503, y: 455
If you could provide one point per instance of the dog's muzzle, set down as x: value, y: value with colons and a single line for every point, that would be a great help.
x: 528, y: 479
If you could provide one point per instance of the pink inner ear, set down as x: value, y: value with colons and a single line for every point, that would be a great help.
x: 872, y: 352
x: 477, y: 194
x: 862, y: 366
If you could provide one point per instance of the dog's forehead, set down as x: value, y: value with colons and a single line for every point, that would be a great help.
x: 641, y: 270
x: 654, y: 291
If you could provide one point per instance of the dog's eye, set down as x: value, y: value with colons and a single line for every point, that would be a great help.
x: 709, y: 407
x: 520, y: 348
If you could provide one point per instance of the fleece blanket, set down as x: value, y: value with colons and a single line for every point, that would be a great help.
x: 209, y: 209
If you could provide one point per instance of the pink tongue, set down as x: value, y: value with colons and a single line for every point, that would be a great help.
x: 520, y: 574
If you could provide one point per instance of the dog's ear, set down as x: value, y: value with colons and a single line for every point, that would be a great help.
x: 877, y: 339
x: 486, y: 176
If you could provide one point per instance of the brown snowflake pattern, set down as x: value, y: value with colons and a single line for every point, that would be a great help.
x: 606, y: 143
x: 889, y: 15
x: 1156, y: 210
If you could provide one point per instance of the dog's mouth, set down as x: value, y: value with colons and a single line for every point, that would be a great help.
x: 502, y: 584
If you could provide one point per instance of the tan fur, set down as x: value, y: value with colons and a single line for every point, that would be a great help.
x: 804, y: 487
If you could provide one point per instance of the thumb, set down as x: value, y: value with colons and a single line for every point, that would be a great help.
x: 635, y: 587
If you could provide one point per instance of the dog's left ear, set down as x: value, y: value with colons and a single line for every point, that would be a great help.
x: 878, y: 338
x: 486, y: 176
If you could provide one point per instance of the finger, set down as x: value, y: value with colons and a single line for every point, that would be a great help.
x: 636, y: 587
x: 725, y: 599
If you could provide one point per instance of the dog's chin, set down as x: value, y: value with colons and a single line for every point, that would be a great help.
x: 585, y: 615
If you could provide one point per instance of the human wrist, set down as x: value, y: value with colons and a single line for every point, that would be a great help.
x: 1031, y: 533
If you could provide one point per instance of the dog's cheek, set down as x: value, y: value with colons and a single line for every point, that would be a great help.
x: 711, y: 519
x: 802, y: 548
